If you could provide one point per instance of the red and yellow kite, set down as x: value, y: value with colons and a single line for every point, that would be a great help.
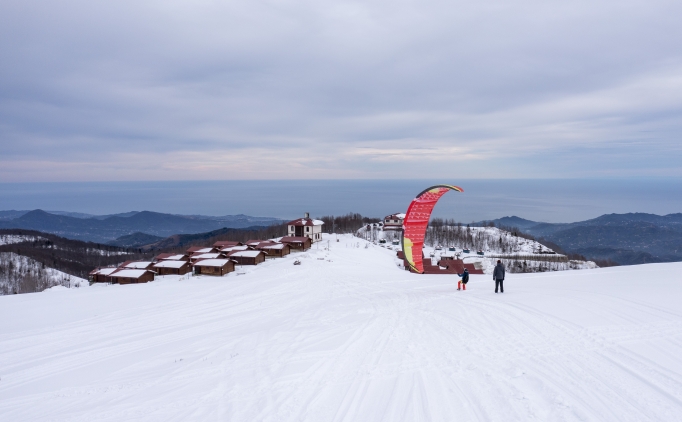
x: 416, y: 221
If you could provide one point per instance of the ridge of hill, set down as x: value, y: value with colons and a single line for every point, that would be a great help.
x: 627, y: 239
x: 112, y: 227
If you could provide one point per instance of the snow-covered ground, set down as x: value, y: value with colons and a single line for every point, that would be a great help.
x: 349, y: 336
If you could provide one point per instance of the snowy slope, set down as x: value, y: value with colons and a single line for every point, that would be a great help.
x: 349, y: 337
x: 517, y: 253
x: 21, y: 274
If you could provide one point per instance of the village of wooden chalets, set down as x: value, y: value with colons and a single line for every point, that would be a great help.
x: 219, y: 259
x: 448, y: 250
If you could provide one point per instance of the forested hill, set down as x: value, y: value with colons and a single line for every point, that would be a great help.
x: 113, y: 227
x: 70, y: 256
x: 634, y: 238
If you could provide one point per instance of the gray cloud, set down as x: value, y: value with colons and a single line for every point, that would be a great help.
x: 211, y: 90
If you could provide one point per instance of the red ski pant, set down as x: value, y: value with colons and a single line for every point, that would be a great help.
x: 461, y: 285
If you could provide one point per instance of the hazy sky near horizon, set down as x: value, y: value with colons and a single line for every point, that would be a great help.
x: 190, y: 90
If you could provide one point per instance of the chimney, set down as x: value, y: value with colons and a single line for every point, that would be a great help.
x: 307, y: 215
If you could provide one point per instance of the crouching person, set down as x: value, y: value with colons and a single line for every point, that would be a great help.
x: 462, y: 284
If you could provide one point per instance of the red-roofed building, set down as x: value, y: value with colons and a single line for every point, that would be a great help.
x: 226, y: 244
x: 274, y: 250
x: 307, y: 227
x: 297, y: 243
x: 200, y: 249
x: 394, y: 221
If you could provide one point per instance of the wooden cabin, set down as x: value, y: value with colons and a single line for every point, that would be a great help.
x: 172, y: 267
x: 226, y: 244
x: 274, y: 250
x: 172, y: 257
x: 212, y: 255
x: 253, y: 243
x: 101, y: 275
x: 301, y: 243
x: 126, y: 276
x: 247, y: 257
x: 229, y: 249
x: 216, y: 267
x: 137, y: 265
x: 200, y: 249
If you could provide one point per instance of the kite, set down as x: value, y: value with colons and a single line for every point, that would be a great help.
x: 416, y: 221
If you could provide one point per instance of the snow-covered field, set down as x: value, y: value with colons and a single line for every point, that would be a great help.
x: 348, y: 336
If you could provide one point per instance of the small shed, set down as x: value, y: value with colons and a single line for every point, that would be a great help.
x: 170, y: 267
x: 247, y: 257
x: 125, y: 276
x: 274, y: 250
x: 297, y: 242
x: 226, y: 244
x: 101, y: 275
x: 217, y: 267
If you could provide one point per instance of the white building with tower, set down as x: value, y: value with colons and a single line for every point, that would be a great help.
x: 306, y: 227
x: 394, y: 221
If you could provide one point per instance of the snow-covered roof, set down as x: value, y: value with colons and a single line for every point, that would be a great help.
x: 203, y: 250
x: 212, y: 262
x: 305, y: 222
x: 175, y: 257
x: 129, y: 273
x: 273, y: 246
x: 399, y: 216
x: 294, y: 239
x: 170, y: 264
x: 234, y: 248
x: 138, y: 264
x: 106, y: 271
x: 247, y: 254
x: 206, y: 255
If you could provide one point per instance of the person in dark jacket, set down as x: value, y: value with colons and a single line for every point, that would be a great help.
x: 462, y: 284
x: 498, y: 276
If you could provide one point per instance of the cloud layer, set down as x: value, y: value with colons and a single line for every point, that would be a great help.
x: 299, y: 89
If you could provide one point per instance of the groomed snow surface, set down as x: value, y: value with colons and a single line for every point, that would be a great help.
x: 348, y: 337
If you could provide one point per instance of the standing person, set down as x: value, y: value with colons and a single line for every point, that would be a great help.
x: 462, y: 284
x: 498, y: 276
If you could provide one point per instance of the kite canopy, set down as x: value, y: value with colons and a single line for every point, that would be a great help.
x: 416, y: 220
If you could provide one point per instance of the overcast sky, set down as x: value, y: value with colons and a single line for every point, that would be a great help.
x: 185, y: 90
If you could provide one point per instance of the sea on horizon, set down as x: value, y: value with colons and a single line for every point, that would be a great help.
x: 554, y: 201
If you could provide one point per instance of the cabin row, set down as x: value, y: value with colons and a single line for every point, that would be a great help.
x: 216, y: 260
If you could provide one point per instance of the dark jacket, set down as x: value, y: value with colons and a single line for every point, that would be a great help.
x: 498, y: 274
x: 465, y: 276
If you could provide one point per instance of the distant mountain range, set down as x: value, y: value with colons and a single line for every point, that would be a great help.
x: 132, y: 226
x: 635, y: 238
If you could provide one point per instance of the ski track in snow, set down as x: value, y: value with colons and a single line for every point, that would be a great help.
x: 354, y: 339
